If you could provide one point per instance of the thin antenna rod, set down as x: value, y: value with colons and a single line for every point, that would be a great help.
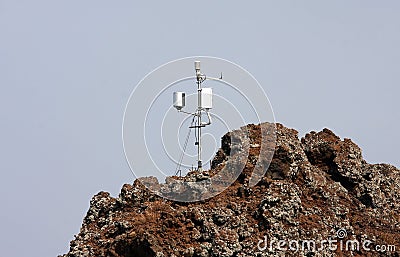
x: 199, y: 81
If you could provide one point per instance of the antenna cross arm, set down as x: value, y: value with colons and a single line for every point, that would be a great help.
x: 195, y: 114
x: 217, y: 79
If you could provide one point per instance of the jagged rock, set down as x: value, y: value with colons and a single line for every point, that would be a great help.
x: 312, y: 188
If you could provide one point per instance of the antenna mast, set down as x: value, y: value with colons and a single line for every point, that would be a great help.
x: 200, y: 78
x: 204, y: 104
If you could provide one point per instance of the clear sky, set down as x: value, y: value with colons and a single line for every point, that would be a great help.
x: 67, y: 69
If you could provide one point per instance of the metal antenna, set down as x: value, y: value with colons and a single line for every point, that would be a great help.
x: 204, y: 104
x: 200, y: 78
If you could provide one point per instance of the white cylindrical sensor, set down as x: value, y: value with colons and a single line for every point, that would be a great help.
x: 179, y: 100
x: 197, y: 65
x: 206, y: 98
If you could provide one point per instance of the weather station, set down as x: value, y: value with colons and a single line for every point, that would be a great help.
x: 204, y: 104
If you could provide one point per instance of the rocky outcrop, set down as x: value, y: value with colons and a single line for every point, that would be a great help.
x: 314, y: 190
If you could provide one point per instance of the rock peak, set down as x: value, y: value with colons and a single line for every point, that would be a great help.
x: 313, y: 187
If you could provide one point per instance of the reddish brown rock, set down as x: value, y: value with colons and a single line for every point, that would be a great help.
x: 312, y: 188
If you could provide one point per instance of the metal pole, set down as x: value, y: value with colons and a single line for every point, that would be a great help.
x: 199, y: 162
x: 199, y: 77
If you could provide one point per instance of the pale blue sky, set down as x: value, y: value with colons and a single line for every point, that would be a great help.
x: 67, y: 69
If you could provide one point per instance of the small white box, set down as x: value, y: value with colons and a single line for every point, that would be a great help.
x: 206, y: 98
x: 179, y: 100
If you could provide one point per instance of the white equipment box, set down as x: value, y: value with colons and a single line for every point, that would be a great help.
x: 206, y: 98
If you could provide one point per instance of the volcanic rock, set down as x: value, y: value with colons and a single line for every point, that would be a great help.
x: 315, y: 189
